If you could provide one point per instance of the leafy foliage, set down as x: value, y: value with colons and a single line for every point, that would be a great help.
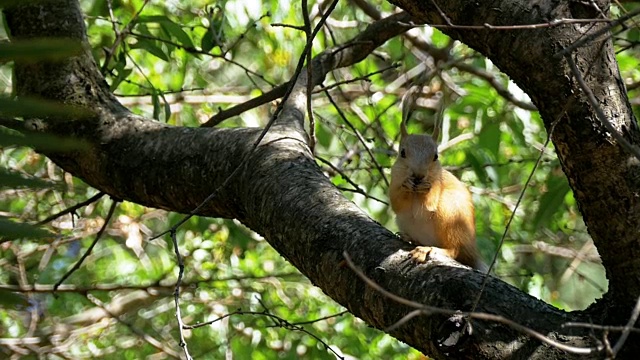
x: 180, y: 63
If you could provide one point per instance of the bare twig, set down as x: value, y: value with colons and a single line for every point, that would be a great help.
x: 360, y: 138
x: 321, y: 319
x: 120, y: 36
x: 246, y: 31
x: 44, y: 288
x: 422, y: 309
x: 513, y: 212
x: 72, y: 209
x: 141, y: 334
x: 176, y: 295
x: 612, y: 23
x: 632, y: 149
x: 88, y: 252
x: 278, y: 322
x: 309, y: 35
x: 193, y: 50
x: 338, y: 56
x: 601, y: 327
x: 357, y: 189
x: 627, y: 329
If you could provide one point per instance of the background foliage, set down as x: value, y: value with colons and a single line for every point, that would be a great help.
x: 180, y: 62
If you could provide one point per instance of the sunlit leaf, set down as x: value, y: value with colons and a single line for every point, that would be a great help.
x: 550, y: 202
x: 151, y: 47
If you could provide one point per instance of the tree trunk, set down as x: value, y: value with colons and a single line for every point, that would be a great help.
x: 279, y: 192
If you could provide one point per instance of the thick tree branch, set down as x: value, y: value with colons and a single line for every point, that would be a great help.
x: 281, y: 193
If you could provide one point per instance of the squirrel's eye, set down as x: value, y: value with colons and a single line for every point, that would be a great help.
x: 435, y: 157
x: 402, y: 153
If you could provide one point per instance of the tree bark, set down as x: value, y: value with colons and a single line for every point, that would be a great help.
x: 279, y: 191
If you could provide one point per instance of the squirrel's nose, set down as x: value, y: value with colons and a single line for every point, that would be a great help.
x: 417, y: 179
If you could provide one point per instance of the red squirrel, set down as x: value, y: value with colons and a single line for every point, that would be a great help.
x: 433, y: 208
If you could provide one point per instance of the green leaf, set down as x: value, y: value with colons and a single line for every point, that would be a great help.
x: 40, y: 49
x: 173, y: 29
x: 323, y: 135
x: 478, y: 167
x: 517, y: 130
x: 551, y: 201
x: 489, y: 139
x: 12, y: 230
x: 151, y: 47
x: 152, y: 19
x: 209, y: 41
x: 156, y: 104
x: 122, y: 75
x: 167, y: 110
x: 176, y: 31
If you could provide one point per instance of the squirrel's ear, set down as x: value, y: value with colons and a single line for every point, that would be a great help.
x: 438, y: 120
x: 403, y: 129
x: 408, y: 103
x: 436, y: 132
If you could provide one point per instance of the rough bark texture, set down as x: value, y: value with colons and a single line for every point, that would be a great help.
x: 281, y: 193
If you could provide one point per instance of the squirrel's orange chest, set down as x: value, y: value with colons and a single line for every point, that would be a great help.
x: 414, y: 219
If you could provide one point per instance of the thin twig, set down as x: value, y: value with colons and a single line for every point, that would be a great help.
x: 176, y: 295
x: 141, y: 334
x: 88, y: 252
x: 358, y: 136
x: 569, y: 49
x: 193, y: 50
x: 45, y: 288
x: 120, y: 36
x: 321, y: 319
x: 520, y: 197
x: 601, y: 327
x: 356, y: 79
x: 633, y: 150
x: 72, y: 209
x: 428, y: 310
x: 246, y: 31
x: 309, y: 35
x: 357, y: 188
x: 627, y: 329
x: 278, y: 322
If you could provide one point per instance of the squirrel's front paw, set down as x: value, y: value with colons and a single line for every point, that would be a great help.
x: 421, y: 253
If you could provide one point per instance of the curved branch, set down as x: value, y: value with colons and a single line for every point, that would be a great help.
x: 282, y: 194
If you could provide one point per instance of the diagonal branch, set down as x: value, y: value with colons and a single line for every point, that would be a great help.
x: 283, y: 195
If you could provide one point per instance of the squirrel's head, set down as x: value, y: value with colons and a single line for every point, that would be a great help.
x: 417, y: 164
